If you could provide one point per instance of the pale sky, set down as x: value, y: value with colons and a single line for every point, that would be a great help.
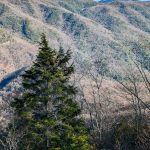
x: 139, y: 0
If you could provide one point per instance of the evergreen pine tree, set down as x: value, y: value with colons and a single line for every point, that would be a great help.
x: 47, y: 112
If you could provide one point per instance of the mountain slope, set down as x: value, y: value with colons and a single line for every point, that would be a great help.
x: 88, y: 28
x: 94, y: 31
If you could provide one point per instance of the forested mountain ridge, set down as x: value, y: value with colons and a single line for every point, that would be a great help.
x: 87, y: 27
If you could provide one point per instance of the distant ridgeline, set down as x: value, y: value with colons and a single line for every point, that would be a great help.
x: 106, y: 1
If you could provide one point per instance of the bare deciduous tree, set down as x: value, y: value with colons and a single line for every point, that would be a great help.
x: 97, y: 103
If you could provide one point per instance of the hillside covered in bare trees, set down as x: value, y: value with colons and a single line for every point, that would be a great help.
x: 106, y: 45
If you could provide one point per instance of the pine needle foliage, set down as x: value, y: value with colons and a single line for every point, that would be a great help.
x: 47, y: 113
